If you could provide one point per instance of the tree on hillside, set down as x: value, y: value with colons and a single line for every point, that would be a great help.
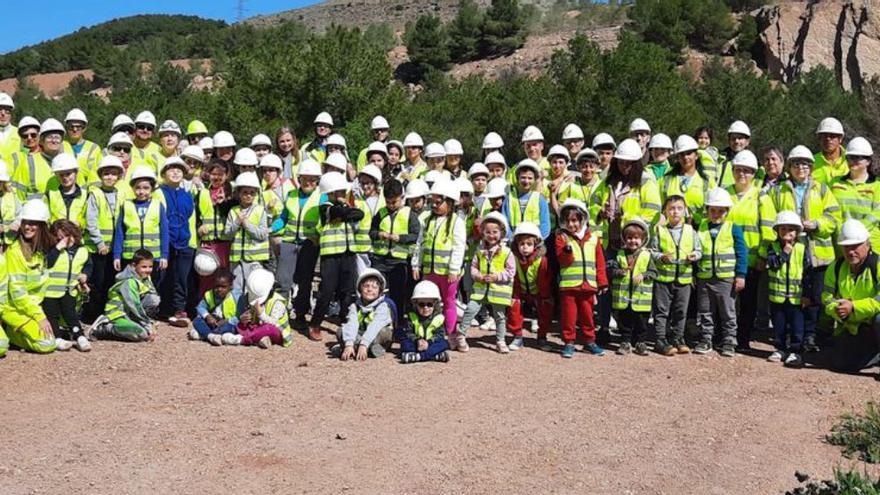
x: 427, y: 45
x: 503, y: 29
x: 675, y: 24
x: 464, y: 32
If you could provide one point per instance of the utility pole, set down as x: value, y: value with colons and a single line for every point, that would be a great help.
x: 239, y: 11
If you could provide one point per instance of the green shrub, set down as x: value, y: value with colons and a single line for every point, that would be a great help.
x: 859, y: 434
x: 843, y: 483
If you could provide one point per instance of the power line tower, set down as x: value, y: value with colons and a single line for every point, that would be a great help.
x: 239, y: 11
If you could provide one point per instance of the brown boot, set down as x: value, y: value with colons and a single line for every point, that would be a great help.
x: 315, y: 334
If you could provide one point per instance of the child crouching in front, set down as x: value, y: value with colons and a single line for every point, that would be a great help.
x: 217, y: 311
x: 369, y: 329
x: 265, y: 320
x: 132, y: 304
x: 423, y: 332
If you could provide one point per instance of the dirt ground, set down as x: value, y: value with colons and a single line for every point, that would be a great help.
x: 183, y: 417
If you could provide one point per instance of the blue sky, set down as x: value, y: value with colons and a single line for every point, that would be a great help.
x: 67, y: 16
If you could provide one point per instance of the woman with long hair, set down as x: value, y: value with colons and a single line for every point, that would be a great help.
x: 287, y: 147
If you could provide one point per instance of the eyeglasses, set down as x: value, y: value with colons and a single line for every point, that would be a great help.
x: 29, y: 135
x: 75, y: 126
x: 145, y: 127
x: 120, y: 149
x: 52, y: 137
x: 426, y: 305
x: 5, y: 110
x: 801, y: 164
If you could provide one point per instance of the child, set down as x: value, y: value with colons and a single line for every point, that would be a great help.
x: 533, y: 285
x: 69, y: 269
x: 525, y: 203
x: 660, y: 147
x: 132, y: 304
x: 416, y: 199
x: 422, y: 336
x: 103, y: 207
x: 247, y: 228
x: 212, y: 205
x: 479, y: 177
x: 370, y: 324
x: 179, y: 208
x: 9, y: 209
x: 582, y: 276
x: 142, y: 224
x: 63, y: 195
x: 675, y: 247
x: 632, y: 287
x: 721, y: 272
x: 493, y: 270
x: 366, y: 197
x: 217, y: 311
x: 787, y: 262
x: 264, y: 320
x: 275, y: 191
x: 395, y: 231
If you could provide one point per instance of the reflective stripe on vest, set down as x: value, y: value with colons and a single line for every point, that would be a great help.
x: 528, y: 277
x: 106, y: 217
x: 141, y: 233
x: 244, y: 247
x: 27, y: 279
x: 496, y: 292
x: 283, y: 322
x: 58, y: 208
x: 785, y: 283
x: 680, y: 269
x: 395, y: 223
x: 426, y: 332
x: 8, y: 205
x: 625, y: 293
x: 362, y: 241
x: 583, y: 269
x: 302, y: 223
x: 228, y: 306
x: 336, y: 238
x: 63, y: 275
x: 209, y: 217
x: 719, y: 255
x: 815, y: 207
x: 437, y: 244
x: 531, y: 213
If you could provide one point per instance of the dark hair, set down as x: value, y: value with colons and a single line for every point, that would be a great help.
x: 67, y: 228
x: 634, y: 179
x: 141, y: 255
x: 223, y: 274
x: 43, y: 240
x: 392, y: 189
x: 227, y: 186
x: 704, y: 128
x: 672, y: 198
x: 675, y: 168
x: 773, y: 149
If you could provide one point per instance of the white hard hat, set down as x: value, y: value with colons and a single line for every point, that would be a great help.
x: 76, y: 115
x: 800, y: 152
x: 495, y: 157
x: 28, y: 121
x: 120, y: 138
x: 446, y: 188
x: 146, y: 117
x: 528, y: 164
x: 638, y: 222
x: 852, y: 232
x: 435, y: 150
x: 859, y: 146
x: 464, y: 185
x: 224, y: 139
x: 271, y: 160
x: 661, y: 141
x: 143, y: 172
x: 335, y: 140
x: 309, y: 167
x: 194, y: 152
x: 206, y: 143
x: 373, y: 171
x: 110, y: 161
x: 492, y: 141
x: 413, y: 140
x: 324, y: 118
x: 603, y: 139
x: 394, y: 143
x: 259, y: 286
x: 639, y: 125
x: 684, y: 143
x: 121, y: 120
x: 372, y: 273
x: 417, y: 188
x: 432, y: 176
x: 739, y: 127
x: 532, y: 133
x: 496, y: 188
x: 337, y: 161
x: 332, y: 182
x: 830, y: 125
x: 173, y: 161
x: 628, y: 150
x: 576, y: 204
x: 527, y: 228
x: 245, y: 157
x: 378, y: 123
x: 719, y: 197
x: 169, y: 126
x: 261, y: 140
x: 206, y: 262
x: 34, y: 210
x: 558, y: 150
x: 377, y: 147
x: 476, y: 169
x: 572, y: 132
x: 453, y: 147
x: 51, y: 125
x: 494, y: 216
x: 4, y: 172
x: 586, y: 153
x: 425, y: 290
x: 788, y: 217
x: 247, y: 179
x: 745, y: 158
x: 64, y: 162
x: 6, y: 100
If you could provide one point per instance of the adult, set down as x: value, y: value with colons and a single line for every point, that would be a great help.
x: 640, y: 131
x: 88, y: 154
x: 29, y: 133
x: 380, y: 131
x: 195, y: 131
x: 772, y: 167
x: 169, y: 139
x: 533, y: 146
x: 573, y: 139
x: 287, y: 147
x: 415, y: 166
x: 145, y: 151
x: 316, y: 149
x: 738, y: 138
x: 830, y: 161
x: 377, y: 155
x: 687, y: 178
x: 454, y: 154
x: 849, y: 297
x: 262, y: 145
x: 10, y: 143
x: 32, y: 176
x: 605, y: 146
x: 120, y: 146
x: 858, y: 192
x: 395, y: 157
x: 123, y: 123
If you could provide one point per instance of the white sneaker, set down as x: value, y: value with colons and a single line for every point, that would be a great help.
x: 83, y: 344
x: 193, y: 335
x: 265, y: 343
x: 501, y: 346
x: 462, y: 345
x: 776, y: 357
x: 63, y: 345
x: 489, y: 324
x: 231, y: 339
x: 215, y: 338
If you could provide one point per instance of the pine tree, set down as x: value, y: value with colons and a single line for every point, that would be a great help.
x: 503, y: 29
x: 464, y: 32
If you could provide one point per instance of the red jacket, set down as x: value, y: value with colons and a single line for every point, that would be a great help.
x: 566, y: 258
x: 545, y: 278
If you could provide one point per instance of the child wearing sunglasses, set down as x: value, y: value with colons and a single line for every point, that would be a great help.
x: 423, y: 333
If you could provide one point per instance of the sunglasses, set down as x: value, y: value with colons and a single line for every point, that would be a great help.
x: 145, y: 127
x: 75, y: 126
x: 120, y: 149
x: 30, y: 135
x: 426, y: 305
x: 322, y: 126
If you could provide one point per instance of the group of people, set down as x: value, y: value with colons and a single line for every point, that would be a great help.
x: 410, y: 246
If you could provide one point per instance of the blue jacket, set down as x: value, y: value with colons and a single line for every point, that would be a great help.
x: 544, y: 208
x: 179, y: 208
x: 739, y: 247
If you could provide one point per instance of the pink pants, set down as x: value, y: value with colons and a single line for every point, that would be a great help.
x: 251, y: 334
x: 448, y: 291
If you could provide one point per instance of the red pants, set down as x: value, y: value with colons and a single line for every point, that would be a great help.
x: 515, y: 314
x: 576, y: 306
x: 251, y: 334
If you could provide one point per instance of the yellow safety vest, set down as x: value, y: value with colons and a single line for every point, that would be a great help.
x: 88, y: 159
x: 426, y: 332
x: 58, y: 209
x: 862, y: 290
x: 755, y: 214
x: 63, y: 275
x: 115, y: 308
x: 642, y: 202
x: 821, y: 206
x: 437, y: 244
x: 9, y: 205
x: 141, y: 233
x: 626, y: 294
x: 302, y: 223
x: 786, y: 282
x: 27, y: 281
x: 719, y: 254
x: 532, y: 212
x: 396, y: 222
x: 228, y: 306
x: 861, y: 201
x: 106, y: 216
x: 336, y: 238
x: 362, y: 241
x: 583, y: 269
x: 824, y: 172
x: 497, y: 293
x: 528, y: 277
x: 694, y: 193
x: 680, y: 269
x: 244, y: 247
x: 31, y: 176
x: 210, y: 217
x: 284, y: 322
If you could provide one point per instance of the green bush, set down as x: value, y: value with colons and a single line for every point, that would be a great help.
x: 675, y: 24
x: 427, y: 44
x: 843, y: 483
x: 503, y: 28
x: 859, y: 434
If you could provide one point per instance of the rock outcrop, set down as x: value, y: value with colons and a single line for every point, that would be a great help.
x: 843, y: 35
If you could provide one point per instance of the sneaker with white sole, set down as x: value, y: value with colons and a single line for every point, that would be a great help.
x: 63, y: 345
x: 461, y: 345
x: 776, y: 357
x: 489, y: 324
x: 501, y: 347
x: 100, y: 320
x: 516, y: 344
x: 215, y: 339
x: 231, y: 339
x: 794, y: 360
x: 83, y: 344
x: 264, y: 343
x: 410, y: 357
x: 193, y: 335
